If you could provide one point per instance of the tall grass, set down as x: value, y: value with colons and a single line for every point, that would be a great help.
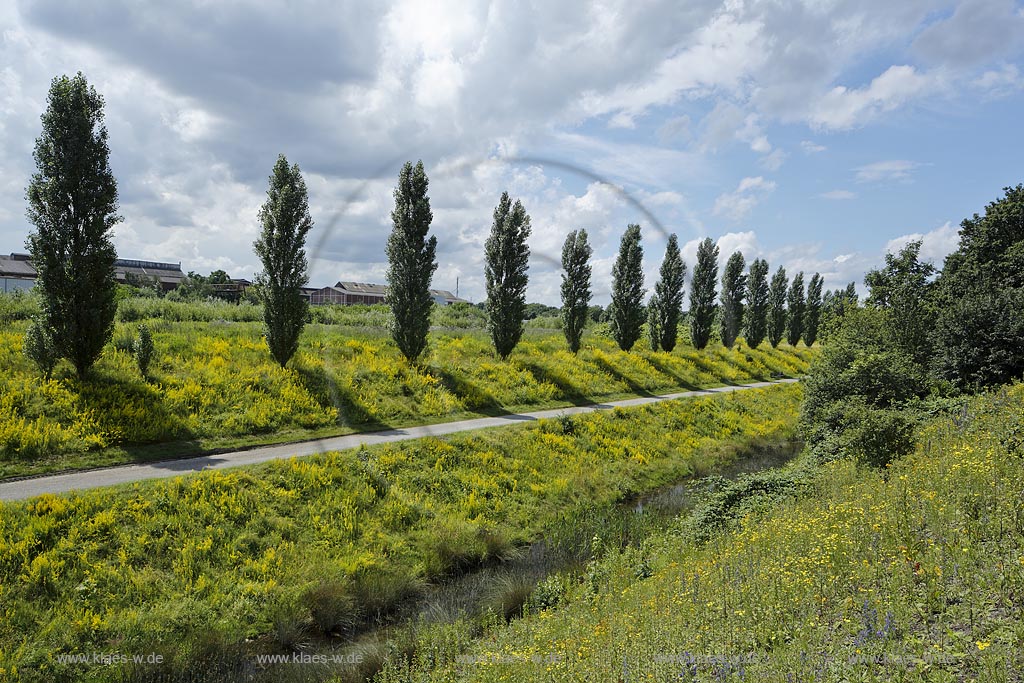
x: 293, y: 552
x: 910, y: 573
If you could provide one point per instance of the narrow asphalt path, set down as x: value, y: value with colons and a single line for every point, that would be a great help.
x: 124, y: 474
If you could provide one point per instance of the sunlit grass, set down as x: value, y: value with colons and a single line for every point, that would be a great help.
x: 292, y: 550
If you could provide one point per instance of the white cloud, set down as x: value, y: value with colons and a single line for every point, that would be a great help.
x: 811, y: 147
x: 889, y: 171
x: 773, y: 161
x: 842, y: 108
x: 936, y: 244
x: 738, y: 204
x: 838, y: 194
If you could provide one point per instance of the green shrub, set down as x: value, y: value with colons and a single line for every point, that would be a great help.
x: 142, y: 349
x: 39, y: 347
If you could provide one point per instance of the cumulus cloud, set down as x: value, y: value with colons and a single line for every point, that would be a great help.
x: 662, y: 101
x: 842, y: 108
x: 936, y: 244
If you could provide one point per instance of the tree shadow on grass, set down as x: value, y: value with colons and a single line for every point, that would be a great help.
x: 477, y: 400
x: 625, y: 379
x: 329, y: 392
x: 567, y: 390
x: 107, y: 396
x: 664, y: 369
x: 726, y: 357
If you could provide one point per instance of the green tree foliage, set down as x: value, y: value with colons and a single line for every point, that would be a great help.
x: 903, y: 287
x: 507, y: 259
x: 626, y: 315
x: 979, y: 331
x: 143, y: 349
x: 777, y: 307
x: 668, y: 304
x: 812, y: 313
x: 757, y: 303
x: 576, y: 271
x: 796, y: 305
x: 281, y: 248
x: 702, y: 293
x: 654, y: 322
x: 856, y: 390
x: 834, y: 305
x: 411, y: 262
x: 39, y: 347
x: 734, y: 289
x: 72, y: 202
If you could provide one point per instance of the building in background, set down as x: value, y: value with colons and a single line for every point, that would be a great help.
x: 348, y: 293
x: 16, y: 273
x: 163, y: 276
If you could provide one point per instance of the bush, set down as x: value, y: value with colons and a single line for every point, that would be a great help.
x: 142, y: 349
x: 868, y: 435
x: 39, y: 347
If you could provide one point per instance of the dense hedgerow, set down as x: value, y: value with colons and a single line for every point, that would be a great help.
x: 292, y: 551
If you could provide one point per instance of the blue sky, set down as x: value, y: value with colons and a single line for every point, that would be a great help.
x: 817, y: 135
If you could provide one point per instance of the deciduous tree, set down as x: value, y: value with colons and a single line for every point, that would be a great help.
x: 757, y: 303
x: 281, y: 248
x: 411, y: 262
x: 72, y: 202
x: 507, y: 259
x: 669, y: 295
x: 777, y: 307
x: 796, y: 305
x: 734, y: 287
x: 627, y: 309
x: 576, y: 272
x: 702, y: 293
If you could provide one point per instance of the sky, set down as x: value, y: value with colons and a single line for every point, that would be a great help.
x: 818, y: 135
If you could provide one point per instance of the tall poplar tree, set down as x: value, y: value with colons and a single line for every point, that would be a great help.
x: 734, y: 288
x: 281, y: 247
x: 812, y: 315
x: 702, y: 293
x: 777, y: 307
x: 757, y: 303
x: 668, y: 304
x: 576, y: 273
x: 72, y: 202
x: 654, y: 322
x: 507, y: 261
x: 796, y: 304
x: 411, y: 262
x: 626, y: 314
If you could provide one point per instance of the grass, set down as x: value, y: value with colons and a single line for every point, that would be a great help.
x: 213, y: 386
x: 912, y: 573
x: 221, y: 565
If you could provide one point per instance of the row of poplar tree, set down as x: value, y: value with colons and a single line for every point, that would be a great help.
x: 748, y: 302
x: 73, y: 205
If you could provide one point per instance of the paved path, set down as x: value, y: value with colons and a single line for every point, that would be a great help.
x: 123, y: 474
